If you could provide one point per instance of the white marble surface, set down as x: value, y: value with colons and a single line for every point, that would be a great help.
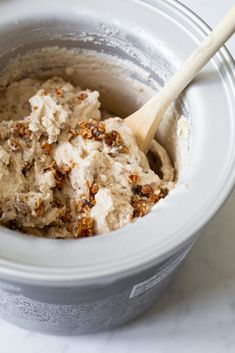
x: 197, y: 314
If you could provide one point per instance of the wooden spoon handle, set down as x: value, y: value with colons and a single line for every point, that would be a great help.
x: 150, y: 115
x: 199, y: 58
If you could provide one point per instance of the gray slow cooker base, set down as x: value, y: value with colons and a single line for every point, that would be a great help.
x: 74, y: 311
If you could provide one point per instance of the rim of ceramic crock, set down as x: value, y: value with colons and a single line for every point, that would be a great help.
x: 87, y: 274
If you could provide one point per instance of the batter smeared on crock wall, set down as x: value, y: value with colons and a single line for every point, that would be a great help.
x: 63, y: 172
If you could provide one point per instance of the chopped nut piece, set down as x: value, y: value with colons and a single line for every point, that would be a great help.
x: 86, y: 133
x: 14, y: 144
x: 144, y: 191
x: 59, y: 92
x: 124, y: 149
x: 82, y: 96
x: 39, y: 207
x: 140, y: 207
x: 147, y: 190
x: 60, y: 173
x: 83, y: 227
x: 94, y: 189
x: 47, y: 148
x: 144, y: 198
x: 113, y: 139
x: 83, y: 124
x: 91, y: 130
x: 21, y: 129
x: 133, y: 178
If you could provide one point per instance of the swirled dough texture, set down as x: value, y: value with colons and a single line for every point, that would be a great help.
x: 64, y: 173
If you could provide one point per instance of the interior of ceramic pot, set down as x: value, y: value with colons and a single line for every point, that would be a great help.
x: 95, y: 57
x: 155, y: 36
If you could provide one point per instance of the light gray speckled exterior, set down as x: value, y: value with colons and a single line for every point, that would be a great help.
x: 77, y: 310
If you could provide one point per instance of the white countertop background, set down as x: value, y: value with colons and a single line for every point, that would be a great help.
x: 196, y: 315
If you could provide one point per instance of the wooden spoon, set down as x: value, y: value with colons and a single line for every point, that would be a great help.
x: 145, y: 121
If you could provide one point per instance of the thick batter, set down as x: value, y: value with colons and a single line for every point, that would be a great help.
x: 64, y: 173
